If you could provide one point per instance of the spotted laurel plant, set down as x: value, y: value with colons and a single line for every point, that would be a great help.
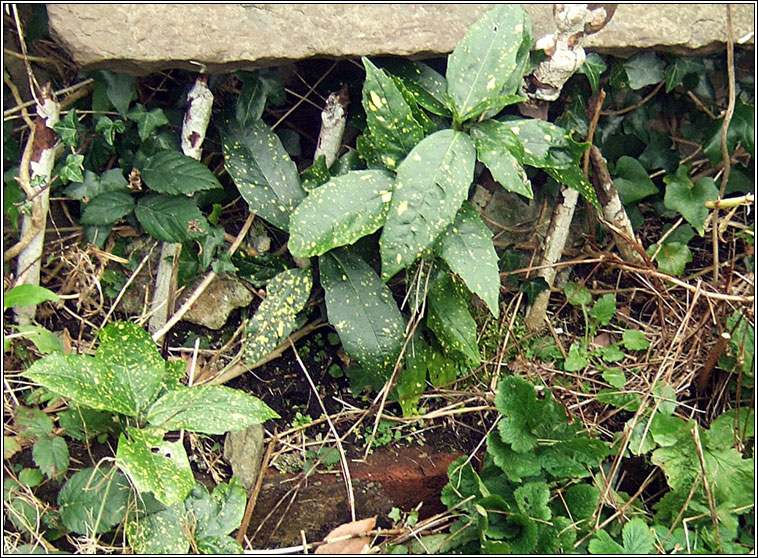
x: 409, y: 187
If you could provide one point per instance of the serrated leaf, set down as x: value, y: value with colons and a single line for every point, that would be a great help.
x: 637, y: 537
x: 485, y: 59
x: 171, y: 218
x: 448, y: 317
x: 30, y: 477
x: 171, y: 172
x: 340, y: 212
x: 612, y: 353
x: 593, y: 68
x: 532, y: 498
x: 389, y: 117
x: 467, y: 249
x: 362, y: 310
x: 147, y: 121
x: 154, y: 465
x: 688, y: 198
x: 162, y: 532
x: 208, y: 409
x: 94, y: 185
x: 728, y: 426
x: 275, y: 318
x: 107, y: 208
x: 27, y: 295
x: 672, y: 257
x: 632, y: 181
x: 516, y: 466
x: 94, y: 500
x: 603, y: 544
x: 644, y: 68
x: 500, y: 151
x: 51, y: 455
x: 680, y: 67
x: 581, y: 500
x: 604, y: 309
x: 264, y: 174
x: 432, y: 183
x: 522, y: 413
x: 33, y: 422
x: 426, y: 85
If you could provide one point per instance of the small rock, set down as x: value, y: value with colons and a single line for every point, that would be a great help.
x: 243, y: 450
x: 217, y: 301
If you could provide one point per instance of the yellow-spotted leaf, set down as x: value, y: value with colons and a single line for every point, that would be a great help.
x: 362, y: 310
x: 467, y: 248
x: 393, y: 129
x: 431, y: 184
x: 501, y: 152
x: 340, y: 212
x: 264, y: 174
x: 274, y: 319
x: 450, y: 319
x: 208, y: 409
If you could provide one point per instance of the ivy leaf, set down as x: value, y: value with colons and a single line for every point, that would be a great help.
x: 362, y: 310
x: 107, y: 208
x: 94, y: 500
x: 171, y: 172
x: 485, y: 59
x: 448, y: 317
x: 340, y: 212
x: 672, y: 257
x: 208, y: 409
x: 275, y: 318
x: 688, y: 198
x: 171, y: 218
x: 679, y: 67
x: 72, y: 169
x: 68, y: 129
x: 154, y: 465
x: 389, y: 117
x: 432, y: 183
x: 533, y: 287
x: 119, y: 88
x: 219, y: 513
x: 593, y: 68
x: 658, y: 153
x: 108, y: 128
x: 93, y: 185
x: 632, y: 181
x: 500, y: 151
x: 147, y: 121
x: 264, y: 174
x: 467, y: 248
x: 741, y: 129
x: 426, y: 85
x: 162, y: 532
x: 51, y: 455
x: 644, y: 68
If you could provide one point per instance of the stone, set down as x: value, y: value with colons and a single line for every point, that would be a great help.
x: 243, y: 450
x: 146, y: 38
x: 217, y: 301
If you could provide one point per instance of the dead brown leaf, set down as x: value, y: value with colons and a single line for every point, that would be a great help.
x: 347, y: 539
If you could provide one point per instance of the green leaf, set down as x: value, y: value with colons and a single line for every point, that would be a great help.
x: 275, y: 318
x: 162, y: 532
x: 522, y: 413
x: 581, y: 500
x: 426, y: 85
x: 171, y: 218
x: 533, y: 287
x: 224, y: 545
x: 50, y: 454
x: 340, y: 212
x: 672, y: 257
x: 72, y: 169
x: 432, y: 183
x: 688, y: 198
x: 33, y: 422
x: 259, y: 270
x: 45, y: 341
x: 612, y: 353
x: 576, y: 359
x: 658, y: 154
x: 637, y: 537
x: 467, y: 249
x: 27, y: 295
x: 577, y: 295
x: 500, y: 151
x: 30, y: 477
x: 362, y: 310
x: 593, y: 67
x: 147, y: 121
x: 741, y: 129
x: 635, y: 340
x: 108, y: 128
x: 644, y: 68
x: 171, y: 172
x: 602, y: 543
x: 729, y: 426
x: 448, y: 317
x: 411, y: 382
x: 165, y: 472
x: 94, y: 185
x: 264, y: 174
x: 93, y: 501
x: 219, y: 513
x: 632, y: 181
x: 107, y: 208
x: 532, y: 499
x: 68, y: 129
x: 208, y: 409
x: 251, y: 101
x: 545, y: 145
x: 680, y: 67
x: 604, y: 309
x: 83, y: 423
x: 515, y: 465
x: 442, y: 370
x: 574, y: 178
x: 485, y: 59
x: 389, y: 117
x: 119, y: 88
